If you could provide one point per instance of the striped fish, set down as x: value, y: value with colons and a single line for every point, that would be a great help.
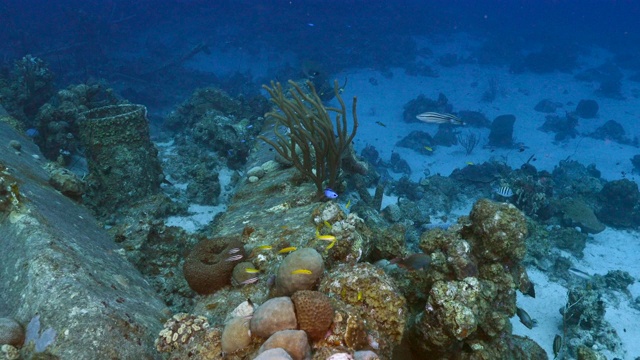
x: 438, y: 118
x: 504, y: 191
x: 557, y: 345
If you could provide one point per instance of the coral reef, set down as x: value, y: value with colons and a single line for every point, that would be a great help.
x: 474, y: 272
x: 214, y: 120
x: 30, y: 84
x: 619, y: 202
x: 377, y: 299
x: 57, y: 120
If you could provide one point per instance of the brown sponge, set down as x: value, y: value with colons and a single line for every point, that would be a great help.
x: 314, y: 312
x: 209, y: 265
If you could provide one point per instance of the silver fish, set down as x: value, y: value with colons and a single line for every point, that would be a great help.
x: 233, y: 251
x: 438, y: 118
x: 504, y: 191
x: 234, y: 258
x: 249, y: 281
x: 525, y: 319
x: 579, y: 273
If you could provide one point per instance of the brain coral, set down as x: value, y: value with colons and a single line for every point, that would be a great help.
x: 209, y: 266
x: 314, y: 312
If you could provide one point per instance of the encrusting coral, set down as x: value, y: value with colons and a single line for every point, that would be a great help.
x: 179, y: 331
x: 377, y: 300
x: 475, y: 271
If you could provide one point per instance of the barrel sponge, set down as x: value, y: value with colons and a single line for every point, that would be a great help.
x: 314, y: 312
x: 208, y: 267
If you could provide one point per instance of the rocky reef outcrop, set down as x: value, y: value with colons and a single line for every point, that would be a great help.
x: 63, y: 277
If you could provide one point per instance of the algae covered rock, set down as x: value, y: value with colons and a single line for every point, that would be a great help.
x: 236, y: 335
x: 370, y: 289
x: 475, y: 271
x: 288, y: 280
x: 619, y: 201
x: 499, y: 230
x: 451, y: 313
x: 11, y: 332
x: 274, y: 315
x: 576, y: 212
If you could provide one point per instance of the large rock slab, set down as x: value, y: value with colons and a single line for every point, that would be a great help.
x: 57, y: 262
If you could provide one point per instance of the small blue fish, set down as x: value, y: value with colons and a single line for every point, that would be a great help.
x: 32, y: 132
x: 330, y: 194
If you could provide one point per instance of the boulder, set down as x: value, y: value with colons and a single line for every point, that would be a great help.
x: 295, y: 342
x: 274, y: 315
x: 59, y: 263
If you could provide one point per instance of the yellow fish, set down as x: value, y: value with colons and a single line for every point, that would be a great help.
x: 287, y: 250
x: 326, y: 223
x: 251, y: 271
x: 301, y: 271
x: 264, y: 247
x: 359, y: 295
x: 348, y: 204
x: 326, y: 237
x: 331, y: 244
x: 428, y: 148
x: 469, y: 163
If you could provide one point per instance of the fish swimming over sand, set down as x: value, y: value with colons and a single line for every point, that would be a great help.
x: 438, y: 118
x: 525, y: 319
x: 557, y: 345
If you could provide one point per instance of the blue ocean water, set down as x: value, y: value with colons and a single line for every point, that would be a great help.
x: 544, y: 95
x: 128, y: 43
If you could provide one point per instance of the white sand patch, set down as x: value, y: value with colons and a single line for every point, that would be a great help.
x: 517, y: 95
x: 199, y: 216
